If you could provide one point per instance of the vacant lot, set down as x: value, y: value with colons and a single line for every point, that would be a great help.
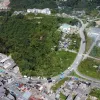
x: 90, y: 68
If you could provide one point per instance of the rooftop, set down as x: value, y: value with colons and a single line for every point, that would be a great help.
x: 65, y: 25
x: 94, y: 30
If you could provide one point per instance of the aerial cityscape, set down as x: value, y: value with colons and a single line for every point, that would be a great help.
x: 49, y: 49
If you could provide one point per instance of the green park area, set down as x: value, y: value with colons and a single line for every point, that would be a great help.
x: 89, y: 42
x: 33, y: 44
x: 95, y: 52
x: 95, y: 93
x: 90, y: 67
x: 58, y: 85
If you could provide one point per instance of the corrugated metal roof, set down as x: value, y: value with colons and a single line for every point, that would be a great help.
x: 95, y: 30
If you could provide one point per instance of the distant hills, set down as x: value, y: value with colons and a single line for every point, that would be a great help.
x: 56, y: 4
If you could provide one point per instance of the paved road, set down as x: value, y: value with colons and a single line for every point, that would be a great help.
x: 87, y: 77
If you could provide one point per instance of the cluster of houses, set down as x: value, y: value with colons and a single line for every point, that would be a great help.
x: 15, y: 87
x: 23, y: 91
x: 74, y: 90
x: 66, y: 29
x: 42, y: 11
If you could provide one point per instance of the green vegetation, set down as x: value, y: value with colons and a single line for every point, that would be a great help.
x: 95, y: 52
x: 62, y: 97
x: 75, y: 41
x: 68, y: 5
x: 89, y: 41
x: 91, y: 24
x: 74, y: 74
x: 30, y: 42
x: 90, y: 68
x: 24, y: 4
x: 60, y: 20
x: 96, y: 93
x: 58, y: 85
x: 88, y: 98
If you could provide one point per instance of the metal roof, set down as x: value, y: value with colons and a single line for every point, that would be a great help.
x: 95, y: 30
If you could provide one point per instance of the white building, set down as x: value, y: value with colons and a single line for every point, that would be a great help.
x: 65, y: 28
x: 42, y: 11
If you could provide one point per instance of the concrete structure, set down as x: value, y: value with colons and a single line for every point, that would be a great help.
x: 42, y: 11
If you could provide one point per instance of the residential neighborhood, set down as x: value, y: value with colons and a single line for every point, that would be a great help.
x: 49, y: 50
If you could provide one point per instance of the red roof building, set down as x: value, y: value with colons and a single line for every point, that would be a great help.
x: 32, y: 98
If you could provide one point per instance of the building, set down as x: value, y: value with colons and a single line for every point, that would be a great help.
x: 9, y: 63
x: 27, y: 95
x: 65, y: 28
x: 33, y: 98
x: 94, y: 32
x: 16, y: 69
x: 2, y: 56
x: 42, y: 11
x: 4, y: 4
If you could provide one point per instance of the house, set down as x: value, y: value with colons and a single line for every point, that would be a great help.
x: 9, y: 63
x: 94, y: 32
x: 65, y: 28
x: 27, y: 95
x: 33, y: 98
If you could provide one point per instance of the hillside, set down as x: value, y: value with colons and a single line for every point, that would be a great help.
x: 31, y: 41
x: 64, y: 5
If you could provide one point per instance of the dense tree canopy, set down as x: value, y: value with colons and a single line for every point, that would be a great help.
x: 53, y: 4
x: 29, y: 41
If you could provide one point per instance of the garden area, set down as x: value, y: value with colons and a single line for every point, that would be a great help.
x: 90, y: 67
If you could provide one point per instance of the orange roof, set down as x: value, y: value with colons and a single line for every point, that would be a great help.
x: 33, y: 98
